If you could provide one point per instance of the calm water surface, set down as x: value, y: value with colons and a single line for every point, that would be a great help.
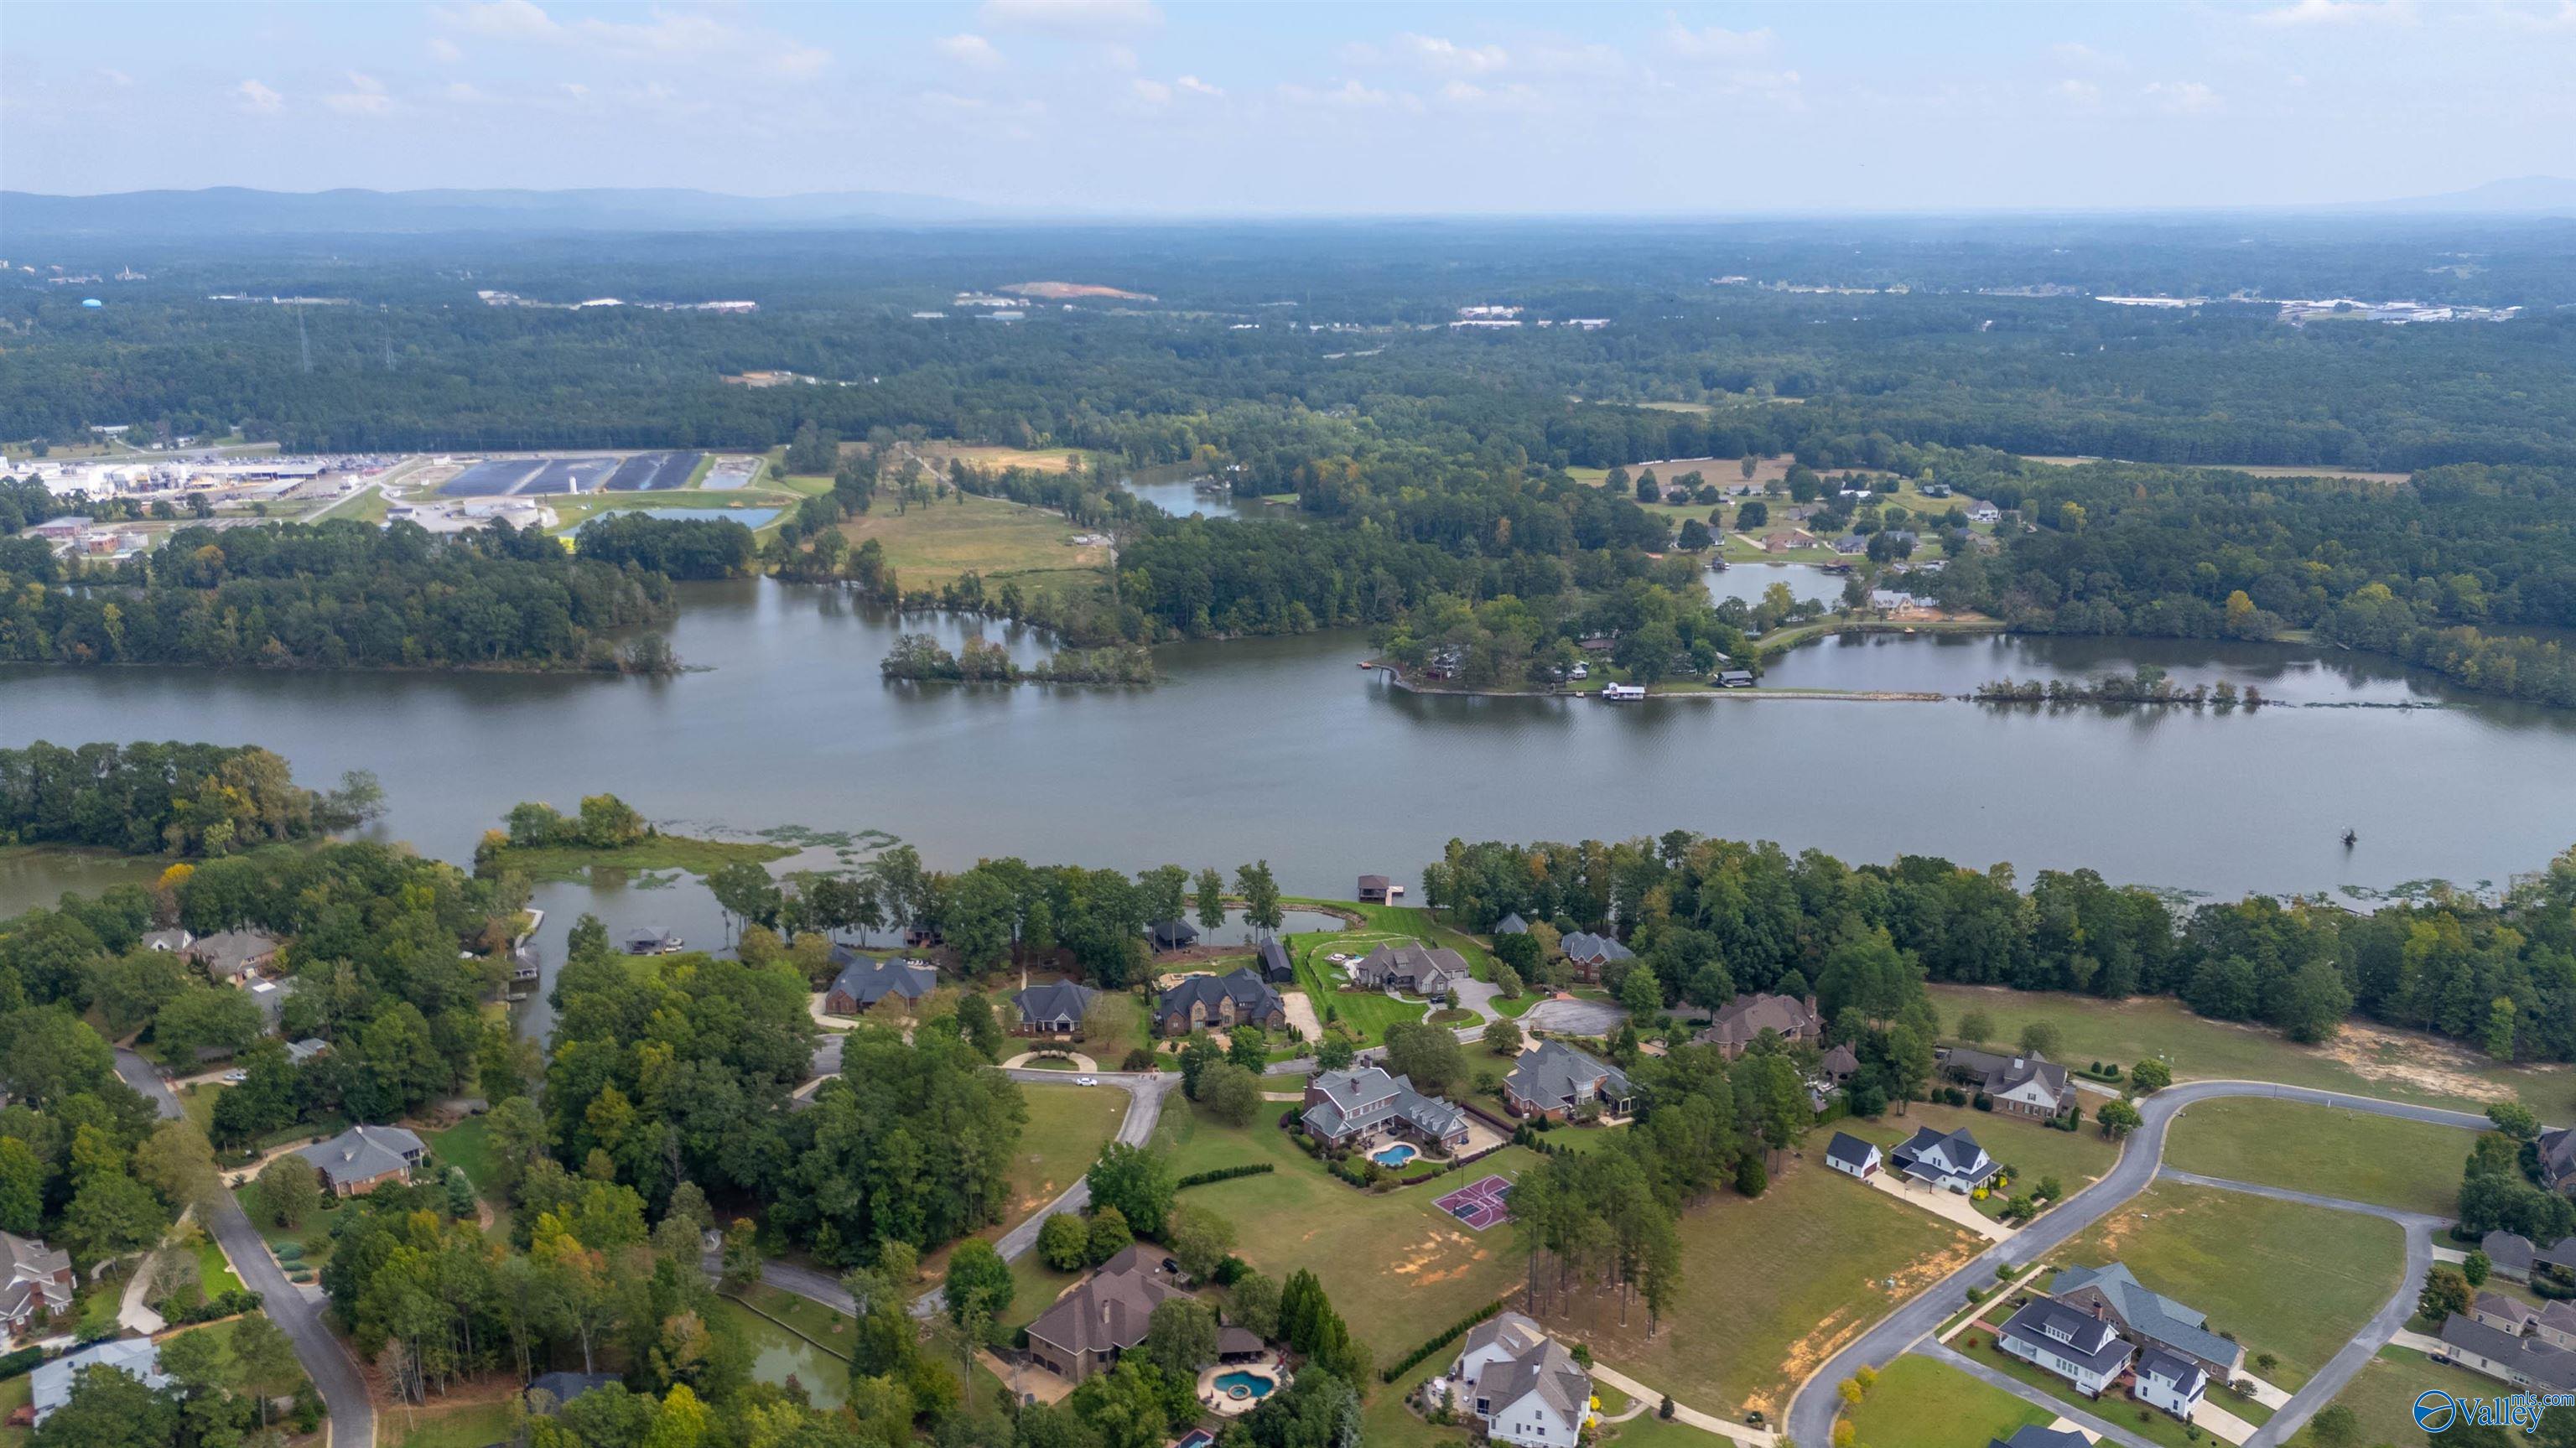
x: 1283, y: 749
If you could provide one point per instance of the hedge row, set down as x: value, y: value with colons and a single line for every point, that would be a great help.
x: 223, y: 1304
x: 1414, y: 1358
x: 1224, y: 1174
x: 24, y: 1360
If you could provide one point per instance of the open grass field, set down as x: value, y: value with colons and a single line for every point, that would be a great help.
x: 1397, y: 1268
x: 2226, y: 1254
x: 2411, y: 1165
x: 980, y: 455
x: 1919, y: 1403
x: 2383, y: 1396
x: 1067, y: 1127
x: 934, y: 543
x: 467, y: 1146
x: 1772, y: 1287
x: 2027, y: 1149
x: 1427, y: 926
x: 2366, y: 1059
x: 448, y: 1423
x: 2259, y: 470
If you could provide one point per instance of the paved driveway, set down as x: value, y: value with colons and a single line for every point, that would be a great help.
x: 326, y: 1362
x: 1574, y: 1016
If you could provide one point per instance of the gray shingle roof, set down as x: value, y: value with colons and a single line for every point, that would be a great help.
x: 2032, y: 1435
x: 2550, y: 1367
x: 1515, y: 1333
x: 1410, y: 966
x: 1552, y: 1074
x: 1366, y: 1096
x: 1547, y: 1369
x: 2508, y: 1250
x: 1956, y: 1154
x: 1251, y: 994
x: 1586, y: 946
x: 363, y: 1152
x: 51, y: 1383
x: 2175, y: 1371
x: 1742, y: 1019
x: 1109, y: 1308
x: 1848, y: 1149
x: 2152, y: 1316
x: 2075, y: 1336
x: 1062, y: 1000
x: 868, y: 980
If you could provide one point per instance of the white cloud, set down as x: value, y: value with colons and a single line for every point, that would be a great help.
x: 2183, y: 97
x: 2338, y: 12
x: 2077, y: 92
x: 1550, y: 58
x: 1071, y: 19
x: 463, y: 93
x: 576, y: 90
x: 1151, y: 92
x: 1715, y: 42
x: 1438, y: 53
x: 969, y: 50
x: 1119, y: 57
x: 258, y: 99
x: 445, y: 50
x: 1350, y: 95
x: 799, y: 61
x: 501, y: 19
x: 1196, y: 86
x: 113, y: 76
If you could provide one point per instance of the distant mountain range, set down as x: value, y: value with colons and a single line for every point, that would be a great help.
x: 2519, y: 196
x: 235, y: 210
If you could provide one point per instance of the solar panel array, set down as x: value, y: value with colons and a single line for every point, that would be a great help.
x: 531, y: 477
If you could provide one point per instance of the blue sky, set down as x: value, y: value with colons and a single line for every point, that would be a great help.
x: 1134, y: 106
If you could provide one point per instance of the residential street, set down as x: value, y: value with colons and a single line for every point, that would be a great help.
x: 335, y: 1376
x: 1811, y: 1412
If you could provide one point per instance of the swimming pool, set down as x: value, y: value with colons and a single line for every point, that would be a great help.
x: 1395, y: 1155
x: 1240, y: 1385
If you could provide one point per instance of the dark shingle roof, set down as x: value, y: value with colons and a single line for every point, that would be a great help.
x: 1109, y: 1308
x: 2180, y: 1373
x: 1551, y: 1074
x: 1251, y: 994
x: 1511, y: 924
x: 1848, y: 1149
x: 2152, y: 1316
x: 2075, y: 1336
x: 868, y: 980
x: 2032, y: 1435
x: 1062, y: 1000
x: 2510, y: 1250
x: 2551, y: 1367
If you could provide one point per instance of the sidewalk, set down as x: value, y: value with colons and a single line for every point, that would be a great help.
x: 2005, y: 1294
x: 1951, y: 1205
x: 1750, y: 1437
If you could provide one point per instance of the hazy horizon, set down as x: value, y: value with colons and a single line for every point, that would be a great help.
x: 1125, y: 108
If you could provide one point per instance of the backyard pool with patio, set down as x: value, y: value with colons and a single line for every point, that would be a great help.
x: 1242, y: 1386
x: 1395, y: 1155
x: 1233, y: 1389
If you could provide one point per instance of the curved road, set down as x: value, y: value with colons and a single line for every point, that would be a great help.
x: 1811, y: 1412
x: 326, y: 1362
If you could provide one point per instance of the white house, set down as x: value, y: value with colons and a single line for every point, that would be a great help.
x: 1852, y: 1156
x: 2076, y: 1346
x: 1954, y: 1161
x: 2170, y: 1381
x: 1985, y: 513
x: 1523, y: 1386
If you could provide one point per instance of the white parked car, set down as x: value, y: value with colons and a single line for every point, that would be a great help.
x: 1086, y: 1080
x: 235, y: 1078
x: 1581, y: 671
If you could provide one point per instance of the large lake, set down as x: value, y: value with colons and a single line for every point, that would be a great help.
x: 1282, y: 748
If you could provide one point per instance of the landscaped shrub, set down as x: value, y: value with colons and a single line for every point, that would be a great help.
x: 1138, y: 1059
x: 1455, y: 1330
x: 1983, y: 1102
x: 222, y: 1304
x: 24, y: 1360
x: 1225, y: 1174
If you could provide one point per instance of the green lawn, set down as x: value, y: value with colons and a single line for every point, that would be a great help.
x: 446, y: 1425
x: 467, y: 1146
x: 2027, y: 1149
x: 2383, y: 1397
x: 2367, y: 1060
x: 15, y: 1393
x: 1397, y: 1268
x: 313, y: 1237
x: 1364, y: 1014
x: 2226, y: 1254
x: 1920, y: 1403
x: 1770, y: 1288
x: 214, y: 1273
x: 2411, y: 1165
x: 938, y: 542
x: 1067, y: 1127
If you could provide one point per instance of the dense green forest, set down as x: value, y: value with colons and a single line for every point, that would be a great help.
x: 178, y: 799
x: 340, y: 594
x: 1709, y: 918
